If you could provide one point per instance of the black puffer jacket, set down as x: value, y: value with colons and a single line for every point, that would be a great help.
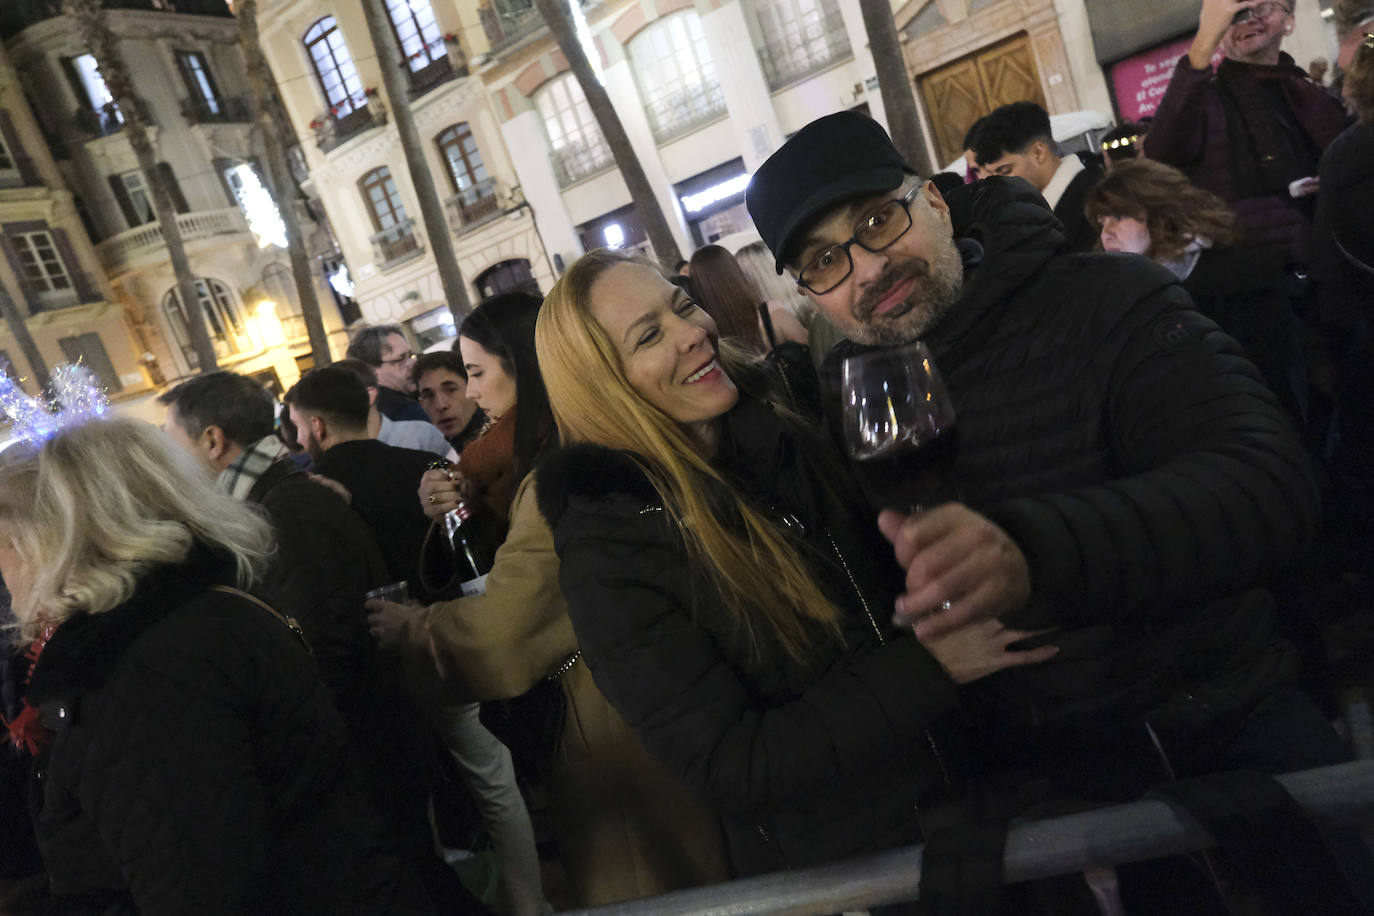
x: 198, y: 766
x: 1134, y: 455
x: 807, y: 762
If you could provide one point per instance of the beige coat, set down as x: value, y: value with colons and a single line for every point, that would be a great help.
x: 626, y: 828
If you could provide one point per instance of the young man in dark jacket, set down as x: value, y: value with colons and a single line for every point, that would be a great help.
x: 1122, y: 473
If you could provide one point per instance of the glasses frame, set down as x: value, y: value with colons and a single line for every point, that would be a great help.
x: 1246, y: 15
x: 905, y: 200
x: 398, y: 360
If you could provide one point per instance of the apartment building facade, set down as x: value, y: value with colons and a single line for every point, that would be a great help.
x: 188, y: 74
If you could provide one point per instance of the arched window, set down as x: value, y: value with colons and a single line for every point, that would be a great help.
x: 334, y: 69
x: 795, y: 38
x: 395, y: 239
x: 223, y: 318
x: 417, y: 33
x: 462, y: 157
x: 383, y: 200
x: 579, y: 149
x: 677, y: 78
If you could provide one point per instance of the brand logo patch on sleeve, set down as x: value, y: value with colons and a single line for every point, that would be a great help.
x: 1171, y: 334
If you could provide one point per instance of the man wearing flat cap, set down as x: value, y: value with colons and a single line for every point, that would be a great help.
x: 1121, y: 475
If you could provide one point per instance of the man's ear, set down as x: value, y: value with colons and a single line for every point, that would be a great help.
x: 371, y: 395
x: 319, y: 429
x: 215, y: 442
x: 936, y: 200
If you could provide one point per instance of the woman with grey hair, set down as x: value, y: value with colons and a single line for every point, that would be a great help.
x: 185, y: 755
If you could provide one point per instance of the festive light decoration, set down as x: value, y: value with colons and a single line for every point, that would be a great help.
x: 74, y: 396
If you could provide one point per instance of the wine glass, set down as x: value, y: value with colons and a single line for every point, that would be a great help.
x: 896, y: 405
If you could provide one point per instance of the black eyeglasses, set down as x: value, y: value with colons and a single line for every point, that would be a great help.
x: 397, y: 360
x: 1262, y: 11
x: 878, y: 230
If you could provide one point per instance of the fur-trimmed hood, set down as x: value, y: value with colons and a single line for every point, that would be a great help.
x: 592, y: 473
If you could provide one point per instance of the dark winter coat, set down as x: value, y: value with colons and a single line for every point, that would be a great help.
x: 198, y: 764
x: 1343, y: 232
x: 1082, y: 235
x: 326, y: 561
x: 1133, y: 454
x: 384, y: 481
x: 1198, y: 130
x: 807, y: 762
x: 397, y: 405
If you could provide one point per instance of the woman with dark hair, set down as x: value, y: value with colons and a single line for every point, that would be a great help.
x: 1150, y: 208
x: 728, y: 593
x: 738, y: 307
x: 625, y: 829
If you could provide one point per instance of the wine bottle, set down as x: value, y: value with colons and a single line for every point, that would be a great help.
x: 472, y: 553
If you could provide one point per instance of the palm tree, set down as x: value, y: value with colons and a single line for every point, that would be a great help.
x: 899, y: 103
x: 95, y: 33
x: 431, y: 209
x: 641, y: 192
x: 269, y: 116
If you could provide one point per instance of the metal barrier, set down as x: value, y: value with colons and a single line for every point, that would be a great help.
x: 1035, y: 849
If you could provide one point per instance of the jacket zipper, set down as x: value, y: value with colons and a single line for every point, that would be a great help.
x: 930, y: 739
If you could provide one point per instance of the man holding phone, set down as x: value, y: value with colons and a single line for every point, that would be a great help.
x: 1253, y: 131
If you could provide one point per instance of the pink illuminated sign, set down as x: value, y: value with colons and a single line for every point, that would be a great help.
x: 1139, y: 82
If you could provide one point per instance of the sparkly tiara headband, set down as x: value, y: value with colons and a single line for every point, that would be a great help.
x: 74, y: 396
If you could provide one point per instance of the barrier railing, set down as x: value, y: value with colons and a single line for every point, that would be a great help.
x: 1036, y: 849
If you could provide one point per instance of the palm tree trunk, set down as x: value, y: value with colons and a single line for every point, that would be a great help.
x: 20, y: 330
x: 431, y: 208
x: 269, y: 117
x: 899, y: 104
x: 96, y: 34
x: 560, y: 25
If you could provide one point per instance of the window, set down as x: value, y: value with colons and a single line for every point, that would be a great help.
x: 196, y: 74
x: 461, y: 155
x: 42, y: 265
x: 222, y: 317
x: 579, y: 149
x: 506, y: 276
x: 7, y: 160
x: 795, y: 38
x: 99, y: 114
x: 338, y: 78
x: 137, y: 201
x: 383, y: 200
x: 676, y: 76
x: 417, y: 33
x: 250, y: 191
x: 90, y: 350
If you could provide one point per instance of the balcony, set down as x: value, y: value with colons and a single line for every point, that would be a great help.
x: 119, y: 252
x: 504, y: 27
x: 684, y: 110
x: 579, y: 159
x: 473, y: 206
x: 804, y: 48
x: 235, y: 109
x: 396, y: 245
x: 91, y: 124
x: 450, y: 64
x: 335, y: 128
x: 17, y: 15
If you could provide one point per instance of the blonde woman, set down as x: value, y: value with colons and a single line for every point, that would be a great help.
x: 728, y: 601
x: 185, y: 755
x: 781, y: 292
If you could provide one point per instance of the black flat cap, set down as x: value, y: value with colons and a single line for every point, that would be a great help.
x: 831, y: 160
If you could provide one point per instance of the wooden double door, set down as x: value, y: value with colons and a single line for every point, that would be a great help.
x: 958, y: 94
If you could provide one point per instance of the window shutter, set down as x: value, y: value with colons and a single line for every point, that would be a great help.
x: 27, y: 173
x: 12, y: 256
x: 83, y: 100
x: 86, y: 290
x: 121, y: 195
x: 169, y: 181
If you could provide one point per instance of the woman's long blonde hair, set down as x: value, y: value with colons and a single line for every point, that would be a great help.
x: 96, y: 506
x: 764, y: 583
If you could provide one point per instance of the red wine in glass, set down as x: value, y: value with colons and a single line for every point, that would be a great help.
x: 899, y: 426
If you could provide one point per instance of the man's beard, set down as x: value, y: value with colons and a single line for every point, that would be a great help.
x: 937, y: 288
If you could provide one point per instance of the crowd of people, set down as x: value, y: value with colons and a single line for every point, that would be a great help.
x: 608, y: 585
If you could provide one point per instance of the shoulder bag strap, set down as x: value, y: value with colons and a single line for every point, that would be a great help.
x: 289, y: 622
